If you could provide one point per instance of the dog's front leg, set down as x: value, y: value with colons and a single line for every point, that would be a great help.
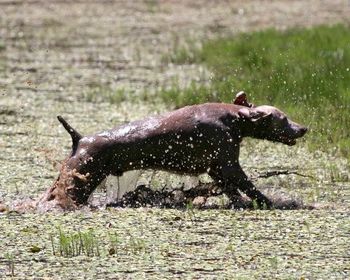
x: 252, y: 192
x: 235, y: 178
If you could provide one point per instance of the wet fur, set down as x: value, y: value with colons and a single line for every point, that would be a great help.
x: 192, y: 140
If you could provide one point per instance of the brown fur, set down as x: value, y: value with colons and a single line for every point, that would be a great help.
x: 192, y: 140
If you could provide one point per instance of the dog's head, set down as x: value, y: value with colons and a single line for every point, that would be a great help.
x: 86, y: 166
x: 268, y: 122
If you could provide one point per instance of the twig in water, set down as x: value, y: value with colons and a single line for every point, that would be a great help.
x: 280, y: 172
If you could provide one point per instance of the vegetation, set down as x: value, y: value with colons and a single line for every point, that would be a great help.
x: 305, y: 72
x: 167, y: 244
x: 75, y: 244
x: 52, y: 64
x: 10, y: 263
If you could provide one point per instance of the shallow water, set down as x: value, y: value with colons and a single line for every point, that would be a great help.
x: 65, y: 59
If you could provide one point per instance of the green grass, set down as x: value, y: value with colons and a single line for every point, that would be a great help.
x: 10, y: 260
x: 305, y: 72
x: 75, y: 244
x: 2, y: 46
x: 100, y: 93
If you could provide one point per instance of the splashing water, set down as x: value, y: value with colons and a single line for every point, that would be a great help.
x: 117, y: 186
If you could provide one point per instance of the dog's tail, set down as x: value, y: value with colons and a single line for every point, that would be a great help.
x: 76, y: 136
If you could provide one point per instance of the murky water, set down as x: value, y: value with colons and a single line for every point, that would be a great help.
x: 54, y: 59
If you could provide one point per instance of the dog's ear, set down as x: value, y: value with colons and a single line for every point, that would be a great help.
x: 253, y: 115
x: 241, y: 99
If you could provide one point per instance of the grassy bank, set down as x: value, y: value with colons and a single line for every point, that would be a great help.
x: 305, y: 72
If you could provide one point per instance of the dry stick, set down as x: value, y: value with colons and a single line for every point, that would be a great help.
x: 283, y: 172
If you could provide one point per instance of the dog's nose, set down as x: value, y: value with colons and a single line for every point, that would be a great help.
x: 303, y: 130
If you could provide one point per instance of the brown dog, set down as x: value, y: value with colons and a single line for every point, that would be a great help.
x: 192, y: 140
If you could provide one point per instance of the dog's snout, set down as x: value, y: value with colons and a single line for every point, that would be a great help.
x: 303, y: 130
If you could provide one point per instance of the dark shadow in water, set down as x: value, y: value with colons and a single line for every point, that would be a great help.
x: 203, y: 196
